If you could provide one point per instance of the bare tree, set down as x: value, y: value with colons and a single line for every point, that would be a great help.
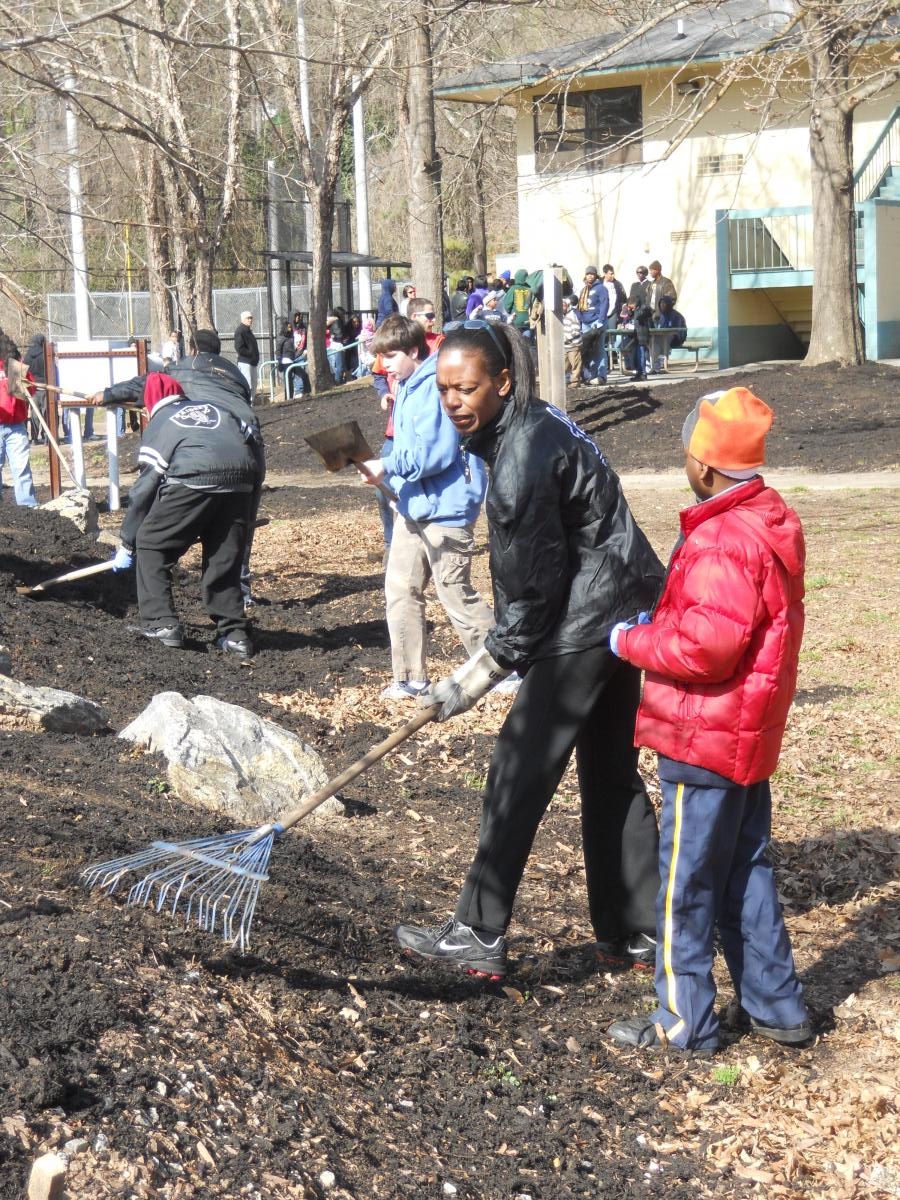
x: 352, y: 44
x: 843, y: 72
x: 139, y: 82
x: 424, y: 164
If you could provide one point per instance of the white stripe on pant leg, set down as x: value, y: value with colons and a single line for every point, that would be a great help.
x: 668, y: 932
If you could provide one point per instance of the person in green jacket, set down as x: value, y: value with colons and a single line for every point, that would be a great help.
x: 517, y: 302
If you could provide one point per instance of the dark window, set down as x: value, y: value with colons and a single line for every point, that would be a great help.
x: 588, y: 131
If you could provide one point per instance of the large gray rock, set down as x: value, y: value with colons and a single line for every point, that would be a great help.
x: 79, y: 507
x: 25, y: 707
x: 225, y: 758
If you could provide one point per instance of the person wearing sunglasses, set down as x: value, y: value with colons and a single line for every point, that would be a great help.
x: 423, y: 311
x: 568, y: 562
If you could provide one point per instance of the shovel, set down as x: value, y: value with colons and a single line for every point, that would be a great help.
x: 343, y: 445
x: 80, y: 573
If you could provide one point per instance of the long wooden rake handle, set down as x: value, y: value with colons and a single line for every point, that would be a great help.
x: 357, y: 768
x: 39, y: 417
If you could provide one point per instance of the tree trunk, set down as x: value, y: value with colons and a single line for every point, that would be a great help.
x: 424, y: 197
x: 477, y: 224
x: 321, y: 209
x: 837, y: 334
x: 161, y: 320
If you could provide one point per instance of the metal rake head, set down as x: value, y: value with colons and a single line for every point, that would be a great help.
x: 214, y: 881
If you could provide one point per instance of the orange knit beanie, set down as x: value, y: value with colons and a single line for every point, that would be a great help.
x: 727, y: 430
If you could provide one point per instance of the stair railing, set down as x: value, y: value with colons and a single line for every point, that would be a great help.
x: 884, y: 154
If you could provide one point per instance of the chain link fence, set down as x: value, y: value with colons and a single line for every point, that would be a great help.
x: 118, y: 316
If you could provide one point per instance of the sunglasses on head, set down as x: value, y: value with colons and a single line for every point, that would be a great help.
x: 486, y: 326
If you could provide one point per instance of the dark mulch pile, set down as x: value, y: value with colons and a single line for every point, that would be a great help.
x: 827, y: 419
x: 167, y: 1065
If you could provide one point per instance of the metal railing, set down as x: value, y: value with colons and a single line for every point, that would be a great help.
x: 771, y: 240
x: 883, y: 155
x: 777, y: 239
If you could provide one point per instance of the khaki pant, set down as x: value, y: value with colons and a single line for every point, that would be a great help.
x: 573, y: 364
x: 419, y: 553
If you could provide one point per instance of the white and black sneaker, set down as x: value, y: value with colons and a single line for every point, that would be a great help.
x: 403, y: 689
x: 456, y: 944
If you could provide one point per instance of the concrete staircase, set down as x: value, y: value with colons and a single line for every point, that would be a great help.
x: 890, y: 185
x: 794, y: 308
x: 799, y: 317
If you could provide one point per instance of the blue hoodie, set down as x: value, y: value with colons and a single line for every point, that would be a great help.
x: 427, y: 468
x: 387, y: 305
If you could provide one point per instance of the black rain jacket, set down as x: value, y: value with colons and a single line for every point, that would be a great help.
x: 568, y: 560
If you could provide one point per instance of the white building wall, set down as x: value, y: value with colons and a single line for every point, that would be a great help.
x: 664, y: 208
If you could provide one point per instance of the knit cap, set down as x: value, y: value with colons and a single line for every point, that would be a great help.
x: 159, y: 386
x: 727, y: 431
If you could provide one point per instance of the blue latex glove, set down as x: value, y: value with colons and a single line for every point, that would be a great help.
x: 124, y: 559
x: 614, y: 635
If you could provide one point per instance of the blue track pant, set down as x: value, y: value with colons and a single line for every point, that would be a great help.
x: 714, y: 874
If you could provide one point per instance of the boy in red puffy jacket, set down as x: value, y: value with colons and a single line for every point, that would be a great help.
x: 720, y: 656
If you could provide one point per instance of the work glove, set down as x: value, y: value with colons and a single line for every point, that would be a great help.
x: 124, y: 559
x: 465, y: 687
x: 643, y: 618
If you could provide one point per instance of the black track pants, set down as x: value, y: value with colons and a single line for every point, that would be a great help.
x: 179, y: 517
x: 586, y: 701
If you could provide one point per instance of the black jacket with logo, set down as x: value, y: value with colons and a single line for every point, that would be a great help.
x: 196, y: 445
x: 568, y: 560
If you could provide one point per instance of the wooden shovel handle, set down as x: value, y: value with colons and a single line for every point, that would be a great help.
x: 382, y: 487
x: 51, y: 387
x: 79, y: 573
x: 357, y: 768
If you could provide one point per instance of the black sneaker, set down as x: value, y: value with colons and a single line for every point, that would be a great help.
x: 789, y: 1035
x: 643, y: 1034
x: 637, y: 953
x: 168, y: 635
x: 640, y: 952
x: 455, y: 943
x: 236, y: 644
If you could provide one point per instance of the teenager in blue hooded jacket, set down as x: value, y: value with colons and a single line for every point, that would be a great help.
x: 439, y: 493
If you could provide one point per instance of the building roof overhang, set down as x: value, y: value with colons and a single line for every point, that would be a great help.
x: 688, y: 39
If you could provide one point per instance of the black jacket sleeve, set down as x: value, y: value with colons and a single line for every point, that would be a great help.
x: 128, y: 392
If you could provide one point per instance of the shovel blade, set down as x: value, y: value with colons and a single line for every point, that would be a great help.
x: 340, y: 445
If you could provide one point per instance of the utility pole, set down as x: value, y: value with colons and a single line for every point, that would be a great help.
x: 362, y: 199
x: 76, y: 224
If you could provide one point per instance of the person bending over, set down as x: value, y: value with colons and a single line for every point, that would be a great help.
x: 568, y: 562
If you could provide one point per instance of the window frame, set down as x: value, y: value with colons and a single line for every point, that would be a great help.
x: 583, y: 130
